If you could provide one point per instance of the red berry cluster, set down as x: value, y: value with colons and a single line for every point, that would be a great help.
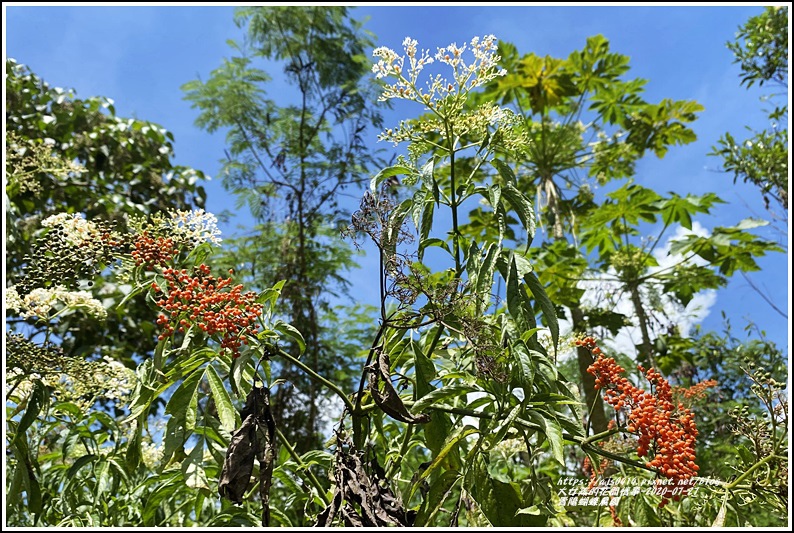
x: 666, y: 428
x: 201, y: 299
x: 151, y: 251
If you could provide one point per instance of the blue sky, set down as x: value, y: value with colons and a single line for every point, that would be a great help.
x: 140, y: 56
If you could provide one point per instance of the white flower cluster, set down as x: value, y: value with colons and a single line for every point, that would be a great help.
x: 152, y: 454
x: 477, y: 122
x: 465, y: 76
x: 195, y: 224
x: 41, y: 301
x: 77, y: 230
x: 13, y: 301
x: 117, y: 380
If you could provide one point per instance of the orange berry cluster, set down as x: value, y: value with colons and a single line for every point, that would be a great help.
x: 666, y: 428
x: 212, y: 304
x: 695, y: 392
x: 151, y: 251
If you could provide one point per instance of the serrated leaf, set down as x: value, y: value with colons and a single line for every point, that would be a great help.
x: 184, y: 402
x: 386, y: 173
x: 525, y: 367
x: 451, y: 443
x: 227, y: 414
x: 193, y: 469
x: 35, y: 401
x: 392, y: 231
x: 504, y: 170
x: 523, y: 208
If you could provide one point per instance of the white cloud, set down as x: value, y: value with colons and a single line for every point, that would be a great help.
x: 603, y: 291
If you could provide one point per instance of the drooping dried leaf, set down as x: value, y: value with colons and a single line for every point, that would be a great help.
x: 239, y: 463
x: 254, y: 439
x: 384, y: 394
x: 378, y: 505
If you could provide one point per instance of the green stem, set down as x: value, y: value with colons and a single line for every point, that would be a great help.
x: 599, y: 436
x: 615, y: 457
x: 756, y: 466
x: 303, y: 466
x: 317, y: 377
x: 453, y: 203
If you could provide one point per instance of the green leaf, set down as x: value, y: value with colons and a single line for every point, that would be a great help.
x: 440, y: 490
x: 438, y: 395
x: 290, y: 331
x: 439, y: 427
x: 193, y: 469
x: 523, y: 208
x: 451, y: 444
x: 526, y: 369
x: 498, y: 434
x: 425, y: 227
x: 134, y: 454
x: 394, y: 225
x: 485, y: 275
x: 505, y: 171
x: 35, y: 401
x: 426, y: 243
x: 183, y: 404
x: 499, y: 501
x: 241, y: 372
x: 386, y: 173
x: 227, y: 414
x: 552, y: 431
x: 549, y: 311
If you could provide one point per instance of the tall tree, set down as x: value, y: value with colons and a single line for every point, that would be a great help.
x: 586, y: 124
x: 761, y: 50
x: 75, y: 155
x: 289, y: 158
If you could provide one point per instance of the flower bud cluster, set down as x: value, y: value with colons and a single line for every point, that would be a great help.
x: 73, y: 250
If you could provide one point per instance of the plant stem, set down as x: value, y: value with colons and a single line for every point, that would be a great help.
x: 453, y: 202
x: 756, y: 466
x: 317, y: 377
x: 302, y: 465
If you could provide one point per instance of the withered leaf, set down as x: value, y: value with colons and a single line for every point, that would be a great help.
x: 377, y: 503
x: 239, y: 463
x: 384, y: 394
x: 254, y: 439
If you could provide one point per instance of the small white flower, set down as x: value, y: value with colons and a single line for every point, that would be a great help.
x: 41, y: 301
x: 13, y: 301
x: 77, y: 230
x: 195, y: 224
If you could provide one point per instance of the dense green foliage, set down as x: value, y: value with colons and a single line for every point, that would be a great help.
x: 761, y: 49
x: 289, y: 158
x: 462, y: 400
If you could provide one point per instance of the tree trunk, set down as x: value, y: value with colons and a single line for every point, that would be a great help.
x: 595, y: 404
